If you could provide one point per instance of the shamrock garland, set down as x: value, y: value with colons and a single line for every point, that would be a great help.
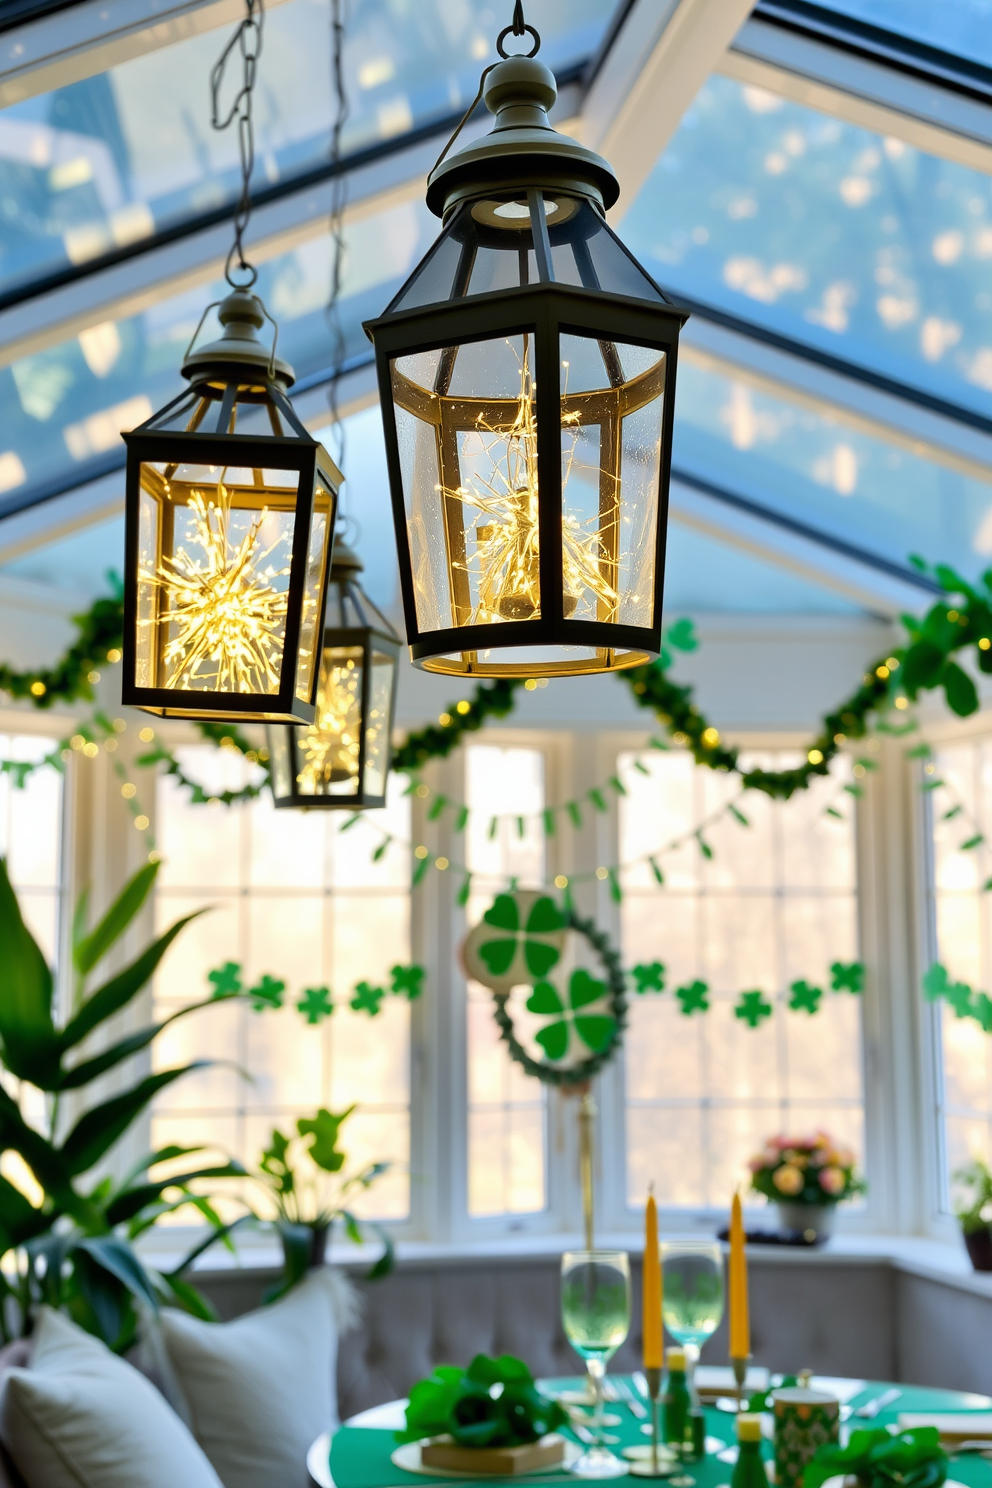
x: 753, y: 1007
x: 966, y: 1003
x: 314, y: 1003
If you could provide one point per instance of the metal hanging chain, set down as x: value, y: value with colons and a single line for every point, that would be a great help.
x: 248, y: 39
x: 339, y: 202
x: 517, y: 27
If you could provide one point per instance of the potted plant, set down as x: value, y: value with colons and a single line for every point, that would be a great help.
x: 294, y: 1173
x: 974, y: 1211
x: 66, y: 1236
x: 807, y: 1177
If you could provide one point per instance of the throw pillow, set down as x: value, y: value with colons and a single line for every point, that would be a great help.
x: 258, y: 1391
x: 79, y: 1417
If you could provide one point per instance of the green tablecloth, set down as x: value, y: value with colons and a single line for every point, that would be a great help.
x: 360, y: 1455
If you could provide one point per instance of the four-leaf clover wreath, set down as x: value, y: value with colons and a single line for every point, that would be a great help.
x: 519, y: 941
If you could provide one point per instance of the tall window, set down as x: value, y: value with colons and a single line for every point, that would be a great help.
x: 506, y: 1109
x: 963, y: 920
x: 291, y: 895
x: 31, y: 836
x: 774, y: 904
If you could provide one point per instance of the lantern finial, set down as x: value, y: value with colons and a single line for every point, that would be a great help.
x: 238, y: 350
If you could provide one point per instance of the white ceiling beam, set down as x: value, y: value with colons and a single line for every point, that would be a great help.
x: 85, y: 39
x: 881, y: 594
x: 661, y: 57
x: 868, y: 94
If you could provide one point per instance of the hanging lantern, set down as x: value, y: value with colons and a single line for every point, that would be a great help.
x: 527, y: 379
x: 230, y: 513
x: 342, y: 758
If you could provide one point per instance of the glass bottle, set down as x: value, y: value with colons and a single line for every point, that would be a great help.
x: 676, y: 1402
x: 749, y: 1469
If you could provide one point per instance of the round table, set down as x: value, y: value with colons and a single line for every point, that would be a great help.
x: 359, y: 1455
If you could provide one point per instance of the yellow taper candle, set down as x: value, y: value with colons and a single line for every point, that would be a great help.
x: 740, y: 1322
x: 653, y: 1352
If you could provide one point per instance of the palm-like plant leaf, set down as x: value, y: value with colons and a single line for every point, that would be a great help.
x: 30, y: 1046
x: 130, y: 1201
x: 98, y: 1129
x: 88, y: 949
x: 91, y: 1069
x: 120, y: 989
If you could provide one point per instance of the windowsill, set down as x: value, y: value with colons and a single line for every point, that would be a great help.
x: 933, y: 1260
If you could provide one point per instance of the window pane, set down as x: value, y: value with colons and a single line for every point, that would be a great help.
x: 775, y: 903
x: 506, y: 1109
x: 293, y: 897
x: 963, y: 920
x: 31, y: 837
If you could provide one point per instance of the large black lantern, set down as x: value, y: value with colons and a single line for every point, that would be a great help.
x: 527, y: 379
x: 230, y: 520
x: 342, y: 758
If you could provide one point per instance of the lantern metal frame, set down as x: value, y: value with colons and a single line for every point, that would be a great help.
x: 359, y: 624
x: 545, y: 310
x: 525, y: 161
x: 236, y: 371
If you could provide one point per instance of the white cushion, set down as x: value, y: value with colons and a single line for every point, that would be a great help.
x: 79, y: 1417
x: 258, y: 1391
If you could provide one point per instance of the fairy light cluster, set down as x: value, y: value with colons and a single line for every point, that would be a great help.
x: 332, y: 743
x: 506, y: 560
x: 222, y: 601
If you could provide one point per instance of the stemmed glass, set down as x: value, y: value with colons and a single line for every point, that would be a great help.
x: 692, y: 1302
x: 595, y: 1312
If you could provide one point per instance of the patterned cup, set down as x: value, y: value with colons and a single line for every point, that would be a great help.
x: 804, y: 1420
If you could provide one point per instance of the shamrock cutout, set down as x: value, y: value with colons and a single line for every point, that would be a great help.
x: 649, y: 977
x: 847, y: 976
x: 367, y: 999
x: 595, y: 1030
x: 543, y: 919
x: 693, y: 998
x: 408, y: 979
x: 752, y: 1007
x: 226, y: 980
x: 981, y: 1009
x: 267, y: 993
x: 937, y: 984
x: 315, y: 1004
x: 804, y: 999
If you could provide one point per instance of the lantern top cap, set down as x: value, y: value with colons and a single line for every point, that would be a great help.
x: 238, y: 354
x: 345, y: 562
x: 523, y: 149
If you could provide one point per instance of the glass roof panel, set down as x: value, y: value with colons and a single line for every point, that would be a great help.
x: 963, y: 27
x: 61, y: 410
x: 810, y: 467
x: 111, y: 160
x: 828, y: 234
x: 703, y: 575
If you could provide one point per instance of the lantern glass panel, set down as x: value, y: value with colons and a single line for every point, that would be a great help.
x: 329, y: 749
x: 612, y: 404
x: 215, y: 555
x: 377, y: 732
x: 466, y: 421
x: 316, y: 567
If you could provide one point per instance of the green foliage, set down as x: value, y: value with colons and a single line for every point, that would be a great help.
x: 973, y: 1206
x: 910, y: 1459
x: 492, y: 1403
x: 291, y: 1171
x: 74, y: 1248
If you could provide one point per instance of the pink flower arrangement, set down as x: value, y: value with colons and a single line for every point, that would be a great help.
x: 812, y: 1169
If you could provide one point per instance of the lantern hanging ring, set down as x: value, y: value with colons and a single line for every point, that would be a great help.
x: 518, y: 27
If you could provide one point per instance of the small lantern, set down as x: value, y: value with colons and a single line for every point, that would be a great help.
x: 527, y: 379
x: 230, y: 519
x: 342, y: 758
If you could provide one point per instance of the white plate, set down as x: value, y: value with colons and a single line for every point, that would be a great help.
x: 839, y: 1482
x: 318, y: 1461
x: 407, y: 1457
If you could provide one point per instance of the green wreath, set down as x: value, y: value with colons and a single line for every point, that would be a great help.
x: 605, y: 1041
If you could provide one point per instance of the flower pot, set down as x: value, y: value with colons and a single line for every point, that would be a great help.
x: 812, y: 1221
x: 304, y: 1246
x: 979, y: 1247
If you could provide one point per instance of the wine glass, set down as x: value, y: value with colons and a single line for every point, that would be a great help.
x: 692, y: 1297
x: 595, y: 1312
